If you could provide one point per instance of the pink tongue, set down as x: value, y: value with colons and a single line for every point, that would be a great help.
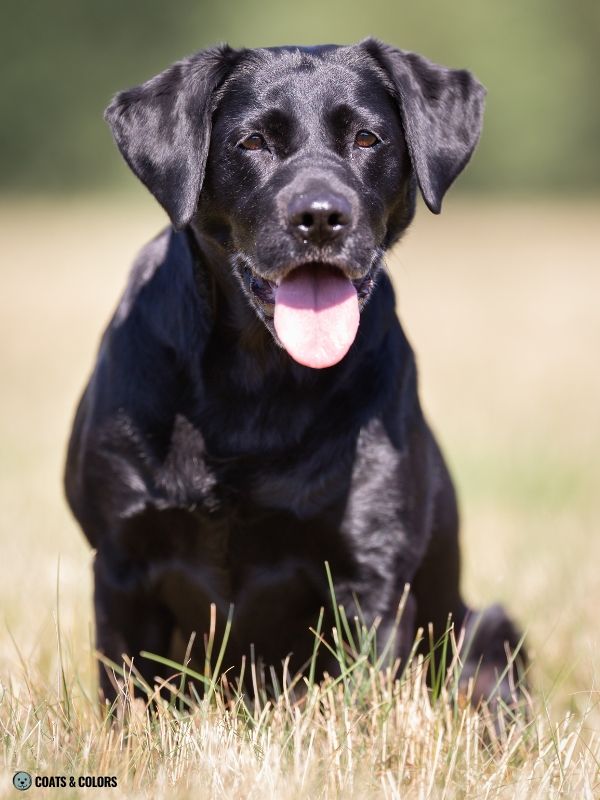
x: 316, y: 315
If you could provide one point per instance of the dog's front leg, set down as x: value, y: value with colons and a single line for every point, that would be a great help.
x: 129, y: 619
x: 386, y: 527
x: 385, y: 617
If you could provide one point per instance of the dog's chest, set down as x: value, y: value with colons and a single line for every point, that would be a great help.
x: 260, y: 561
x: 249, y: 461
x: 255, y: 531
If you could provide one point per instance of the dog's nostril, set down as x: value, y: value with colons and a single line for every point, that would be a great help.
x: 335, y: 220
x: 307, y: 221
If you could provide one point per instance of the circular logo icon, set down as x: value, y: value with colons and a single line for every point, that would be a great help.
x: 22, y: 781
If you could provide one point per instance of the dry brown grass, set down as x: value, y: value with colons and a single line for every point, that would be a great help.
x: 501, y: 303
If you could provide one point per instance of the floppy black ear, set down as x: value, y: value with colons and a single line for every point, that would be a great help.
x: 442, y: 114
x: 162, y: 128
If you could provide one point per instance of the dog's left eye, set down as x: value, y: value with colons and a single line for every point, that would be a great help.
x: 365, y: 139
x: 253, y: 142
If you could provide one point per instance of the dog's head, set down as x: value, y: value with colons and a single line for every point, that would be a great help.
x: 301, y: 165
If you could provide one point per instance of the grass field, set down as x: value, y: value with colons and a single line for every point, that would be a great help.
x: 500, y: 301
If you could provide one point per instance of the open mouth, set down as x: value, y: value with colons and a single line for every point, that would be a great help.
x: 315, y: 310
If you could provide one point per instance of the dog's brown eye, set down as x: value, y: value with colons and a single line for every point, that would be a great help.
x: 365, y: 139
x: 253, y: 142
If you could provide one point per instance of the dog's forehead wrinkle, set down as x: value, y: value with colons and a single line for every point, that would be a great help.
x: 268, y: 81
x: 298, y: 102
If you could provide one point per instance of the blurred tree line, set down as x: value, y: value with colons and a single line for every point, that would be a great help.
x: 61, y: 60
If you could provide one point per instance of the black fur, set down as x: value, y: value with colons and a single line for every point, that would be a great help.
x: 205, y: 465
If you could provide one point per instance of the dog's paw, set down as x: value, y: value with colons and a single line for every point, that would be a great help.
x: 494, y: 660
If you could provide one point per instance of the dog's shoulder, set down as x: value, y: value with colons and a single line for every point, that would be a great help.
x: 153, y: 257
x: 157, y: 334
x: 151, y: 345
x: 129, y: 415
x: 163, y: 293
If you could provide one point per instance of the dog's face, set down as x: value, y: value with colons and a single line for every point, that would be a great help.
x: 307, y: 178
x: 301, y: 165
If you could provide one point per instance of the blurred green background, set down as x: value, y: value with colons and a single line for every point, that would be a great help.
x: 61, y: 61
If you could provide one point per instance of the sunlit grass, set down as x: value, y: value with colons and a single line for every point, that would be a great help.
x: 371, y: 731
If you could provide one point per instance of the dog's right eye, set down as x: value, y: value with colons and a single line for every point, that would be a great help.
x: 253, y: 142
x: 366, y: 139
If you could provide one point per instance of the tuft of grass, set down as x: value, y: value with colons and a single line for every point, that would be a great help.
x: 370, y: 731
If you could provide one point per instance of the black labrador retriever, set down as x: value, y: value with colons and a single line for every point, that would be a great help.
x: 253, y: 411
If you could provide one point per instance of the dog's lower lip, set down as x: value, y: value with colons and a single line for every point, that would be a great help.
x: 364, y: 285
x: 264, y: 289
x: 276, y: 281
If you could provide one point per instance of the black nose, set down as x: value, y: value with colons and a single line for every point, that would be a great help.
x: 319, y: 217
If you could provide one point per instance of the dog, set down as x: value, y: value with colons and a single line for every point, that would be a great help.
x: 253, y: 412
